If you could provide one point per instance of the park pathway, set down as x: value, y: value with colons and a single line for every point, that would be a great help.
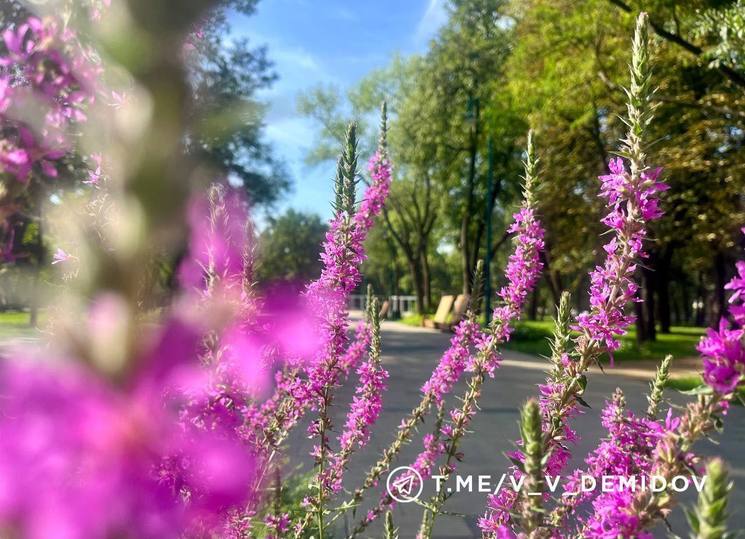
x: 410, y: 354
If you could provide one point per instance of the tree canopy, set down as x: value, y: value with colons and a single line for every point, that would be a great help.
x: 498, y: 67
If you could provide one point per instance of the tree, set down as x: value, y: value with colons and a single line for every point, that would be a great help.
x: 570, y: 84
x: 226, y: 127
x: 444, y: 105
x: 461, y: 102
x: 289, y: 248
x: 226, y: 73
x: 411, y: 213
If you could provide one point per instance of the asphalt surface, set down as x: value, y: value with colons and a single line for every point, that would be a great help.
x: 410, y: 354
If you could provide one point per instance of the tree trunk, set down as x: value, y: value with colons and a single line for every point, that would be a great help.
x: 685, y: 299
x: 467, y: 254
x: 650, y: 278
x: 393, y: 270
x: 677, y: 312
x: 663, y: 290
x: 416, y: 278
x: 641, y: 327
x: 720, y: 280
x: 426, y: 280
x: 534, y: 301
x: 701, y: 302
x: 40, y: 261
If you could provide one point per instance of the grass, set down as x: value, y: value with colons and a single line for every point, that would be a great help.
x: 532, y: 337
x: 15, y: 324
x: 684, y: 383
x: 690, y: 382
x: 413, y: 320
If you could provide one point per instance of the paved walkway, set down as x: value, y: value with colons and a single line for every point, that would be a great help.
x: 411, y: 353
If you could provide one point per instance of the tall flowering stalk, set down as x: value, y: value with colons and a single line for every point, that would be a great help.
x: 708, y: 519
x: 632, y: 198
x: 342, y: 254
x: 365, y: 408
x: 723, y: 353
x: 448, y: 371
x: 522, y: 273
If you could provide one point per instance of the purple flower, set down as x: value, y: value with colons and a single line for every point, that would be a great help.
x: 723, y: 357
x: 45, y: 70
x: 342, y: 255
x: 615, y: 517
x: 357, y: 349
x: 632, y: 203
x: 60, y: 256
x: 523, y: 268
x: 278, y: 524
x: 628, y: 451
x: 83, y: 458
x: 366, y: 406
x: 737, y: 284
x: 453, y: 362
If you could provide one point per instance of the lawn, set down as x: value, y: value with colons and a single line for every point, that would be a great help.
x: 14, y: 325
x: 415, y: 320
x: 532, y: 338
x: 691, y: 382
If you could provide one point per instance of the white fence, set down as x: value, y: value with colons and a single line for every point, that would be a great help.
x: 397, y: 305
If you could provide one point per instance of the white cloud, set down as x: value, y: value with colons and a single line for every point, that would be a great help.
x: 294, y: 57
x: 292, y: 133
x: 434, y: 17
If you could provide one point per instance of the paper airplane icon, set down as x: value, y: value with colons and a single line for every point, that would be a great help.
x: 405, y: 485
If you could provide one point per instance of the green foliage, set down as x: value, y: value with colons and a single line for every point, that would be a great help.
x: 558, y: 66
x: 567, y: 66
x: 723, y: 30
x: 16, y: 325
x: 226, y: 73
x: 657, y: 386
x: 290, y: 501
x: 708, y: 520
x: 389, y: 530
x: 289, y: 248
x: 534, y: 337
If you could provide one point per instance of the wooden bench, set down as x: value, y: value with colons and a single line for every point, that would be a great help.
x: 440, y: 320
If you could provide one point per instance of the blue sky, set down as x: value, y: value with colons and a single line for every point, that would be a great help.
x: 327, y: 42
